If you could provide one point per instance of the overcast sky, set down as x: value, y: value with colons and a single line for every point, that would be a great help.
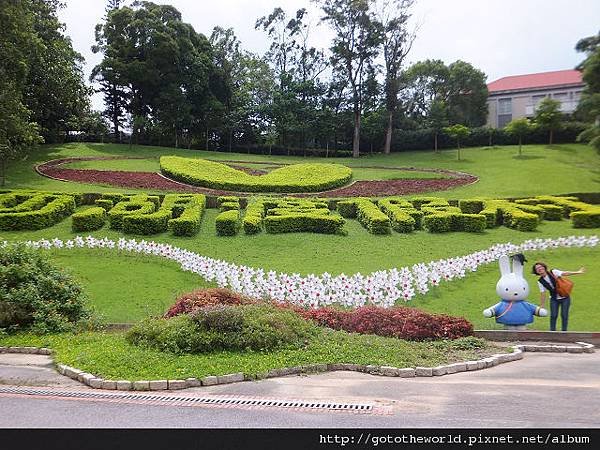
x: 499, y: 37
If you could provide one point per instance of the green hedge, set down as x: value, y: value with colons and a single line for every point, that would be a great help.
x: 586, y: 219
x: 374, y: 220
x: 34, y: 212
x: 137, y: 205
x: 89, y: 220
x: 187, y: 210
x: 106, y: 204
x: 228, y: 223
x: 307, y: 222
x: 293, y: 178
x: 252, y: 221
x: 403, y: 216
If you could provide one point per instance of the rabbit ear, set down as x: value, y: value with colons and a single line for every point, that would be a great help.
x: 518, y: 267
x: 504, y: 265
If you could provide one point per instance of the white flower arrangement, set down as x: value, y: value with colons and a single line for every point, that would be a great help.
x: 381, y: 288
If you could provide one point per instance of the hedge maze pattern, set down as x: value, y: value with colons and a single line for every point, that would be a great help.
x: 181, y: 214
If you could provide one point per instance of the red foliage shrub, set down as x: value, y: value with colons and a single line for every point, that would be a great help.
x: 192, y: 301
x: 399, y: 322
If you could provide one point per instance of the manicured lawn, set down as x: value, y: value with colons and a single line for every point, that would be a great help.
x: 541, y: 170
x: 109, y: 356
x: 124, y: 288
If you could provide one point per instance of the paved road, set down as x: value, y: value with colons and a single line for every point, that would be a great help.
x: 544, y: 390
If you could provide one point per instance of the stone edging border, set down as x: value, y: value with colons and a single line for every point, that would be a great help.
x: 161, y: 385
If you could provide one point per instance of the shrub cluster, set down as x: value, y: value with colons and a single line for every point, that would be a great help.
x: 399, y: 322
x: 370, y: 217
x: 228, y: 223
x: 89, y: 219
x: 33, y: 211
x: 200, y: 298
x: 301, y: 215
x: 252, y: 221
x: 36, y: 294
x: 228, y: 202
x: 258, y: 327
x: 293, y: 178
x: 404, y: 217
x: 582, y: 215
x: 144, y: 214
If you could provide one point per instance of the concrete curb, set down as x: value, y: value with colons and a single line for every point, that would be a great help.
x: 386, y: 371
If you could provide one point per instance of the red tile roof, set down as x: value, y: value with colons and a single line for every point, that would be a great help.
x: 536, y: 80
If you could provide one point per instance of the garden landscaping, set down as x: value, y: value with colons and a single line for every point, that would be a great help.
x: 367, y: 253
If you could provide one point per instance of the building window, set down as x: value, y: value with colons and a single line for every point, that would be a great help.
x: 504, y: 112
x: 560, y: 96
x: 536, y: 99
x: 505, y: 106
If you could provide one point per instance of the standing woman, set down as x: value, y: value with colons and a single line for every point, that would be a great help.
x: 547, y: 282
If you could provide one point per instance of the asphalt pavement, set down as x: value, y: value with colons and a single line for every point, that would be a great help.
x: 543, y: 390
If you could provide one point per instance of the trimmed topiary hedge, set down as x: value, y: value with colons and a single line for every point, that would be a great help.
x: 228, y: 223
x: 89, y: 219
x: 293, y: 178
x: 34, y: 211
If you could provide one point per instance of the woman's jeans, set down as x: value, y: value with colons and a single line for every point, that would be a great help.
x: 564, y: 304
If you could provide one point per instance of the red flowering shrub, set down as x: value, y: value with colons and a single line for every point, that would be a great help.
x: 192, y: 301
x: 399, y: 322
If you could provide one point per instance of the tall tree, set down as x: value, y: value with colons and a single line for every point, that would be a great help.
x: 397, y: 42
x: 356, y: 43
x: 160, y: 64
x: 460, y: 86
x: 110, y: 40
x: 17, y: 41
x: 590, y: 100
x: 55, y: 90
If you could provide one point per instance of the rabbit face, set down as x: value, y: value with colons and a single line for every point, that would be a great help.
x: 512, y: 285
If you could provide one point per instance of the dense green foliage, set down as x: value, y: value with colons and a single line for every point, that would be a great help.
x: 293, y: 178
x: 225, y: 327
x: 36, y: 294
x: 89, y: 219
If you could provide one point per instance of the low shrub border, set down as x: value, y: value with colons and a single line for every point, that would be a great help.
x: 408, y: 372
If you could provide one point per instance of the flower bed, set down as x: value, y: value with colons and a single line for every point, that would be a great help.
x: 155, y: 181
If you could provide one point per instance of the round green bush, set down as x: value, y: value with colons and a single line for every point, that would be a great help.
x: 292, y: 178
x: 225, y: 327
x: 36, y: 294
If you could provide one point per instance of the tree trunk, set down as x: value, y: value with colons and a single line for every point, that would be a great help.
x: 207, y: 137
x: 520, y: 145
x: 388, y: 135
x: 458, y: 150
x: 327, y: 149
x: 356, y: 137
x: 2, y: 172
x: 435, y: 147
x: 230, y: 139
x: 551, y: 133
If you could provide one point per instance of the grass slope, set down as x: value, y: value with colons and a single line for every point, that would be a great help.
x: 541, y: 170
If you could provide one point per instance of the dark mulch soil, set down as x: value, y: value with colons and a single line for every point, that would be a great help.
x: 155, y: 181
